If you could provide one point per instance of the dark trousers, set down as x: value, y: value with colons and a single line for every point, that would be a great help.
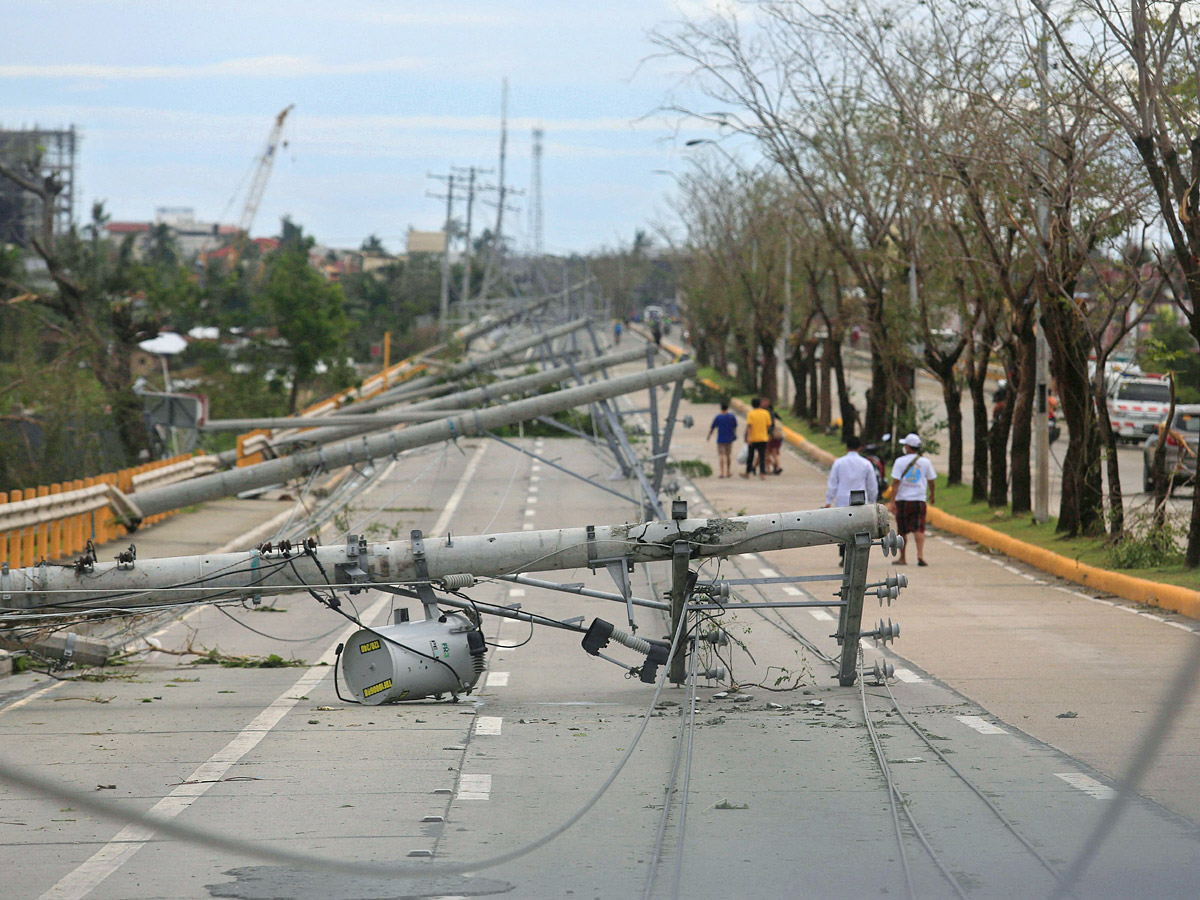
x: 759, y: 449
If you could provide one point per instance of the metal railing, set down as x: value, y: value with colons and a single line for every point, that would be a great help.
x: 55, y: 521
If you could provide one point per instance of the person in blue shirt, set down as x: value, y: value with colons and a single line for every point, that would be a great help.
x: 725, y: 424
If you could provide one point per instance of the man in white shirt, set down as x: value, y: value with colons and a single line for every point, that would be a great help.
x: 851, y: 473
x: 913, y: 479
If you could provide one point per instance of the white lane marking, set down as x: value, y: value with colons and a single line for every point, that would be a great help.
x: 1086, y: 784
x: 488, y: 724
x: 1180, y: 626
x: 535, y: 468
x: 983, y: 726
x: 42, y: 691
x: 534, y: 479
x: 820, y: 615
x: 768, y: 573
x: 528, y: 526
x: 529, y: 513
x: 791, y: 591
x: 129, y: 840
x: 533, y: 489
x: 908, y: 676
x: 497, y: 679
x: 1012, y: 569
x: 531, y: 499
x: 474, y: 787
x: 460, y: 489
x: 1028, y: 577
x: 516, y: 592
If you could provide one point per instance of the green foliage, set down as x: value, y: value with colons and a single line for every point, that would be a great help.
x: 272, y: 661
x: 305, y: 308
x: 694, y: 468
x: 1147, y: 546
x: 1171, y: 348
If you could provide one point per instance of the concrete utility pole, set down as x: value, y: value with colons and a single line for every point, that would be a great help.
x: 471, y: 172
x: 356, y: 450
x: 338, y: 427
x: 444, y: 299
x: 1041, y: 423
x: 359, y: 565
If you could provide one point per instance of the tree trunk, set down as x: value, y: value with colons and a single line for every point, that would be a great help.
x: 1191, y: 558
x: 1082, y: 506
x: 825, y: 410
x: 952, y: 396
x: 879, y: 397
x: 998, y: 449
x: 1108, y: 437
x: 845, y: 407
x: 979, y: 460
x: 768, y: 379
x: 1022, y: 420
x: 112, y: 368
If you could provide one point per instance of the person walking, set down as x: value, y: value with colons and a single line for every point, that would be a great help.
x: 758, y: 430
x: 725, y: 425
x: 618, y: 328
x: 913, y: 479
x: 852, y: 472
x: 774, y: 440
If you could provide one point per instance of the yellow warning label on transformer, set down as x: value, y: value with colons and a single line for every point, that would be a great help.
x: 368, y: 646
x: 376, y: 688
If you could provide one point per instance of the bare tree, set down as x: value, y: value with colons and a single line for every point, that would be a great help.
x: 1140, y: 65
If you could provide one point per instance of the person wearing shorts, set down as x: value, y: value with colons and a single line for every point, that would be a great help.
x: 913, y: 479
x: 758, y: 428
x: 725, y: 425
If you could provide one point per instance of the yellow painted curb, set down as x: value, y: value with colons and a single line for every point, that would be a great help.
x: 1140, y: 590
x: 1167, y: 596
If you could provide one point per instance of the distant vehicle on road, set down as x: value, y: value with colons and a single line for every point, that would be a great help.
x: 1183, y: 442
x: 1135, y: 402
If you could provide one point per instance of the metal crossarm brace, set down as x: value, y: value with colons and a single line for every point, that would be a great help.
x: 681, y: 583
x: 428, y: 599
x: 660, y: 460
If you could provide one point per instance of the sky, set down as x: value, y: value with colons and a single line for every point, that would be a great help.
x: 174, y: 101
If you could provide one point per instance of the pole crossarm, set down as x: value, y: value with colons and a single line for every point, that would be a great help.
x: 358, y: 565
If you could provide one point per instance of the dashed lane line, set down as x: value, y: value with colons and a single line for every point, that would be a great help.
x: 1088, y: 785
x: 983, y: 726
x: 104, y: 862
x: 908, y: 676
x: 474, y: 787
x: 820, y: 615
x: 488, y: 725
x: 497, y: 679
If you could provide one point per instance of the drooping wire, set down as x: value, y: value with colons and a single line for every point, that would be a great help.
x: 308, y: 861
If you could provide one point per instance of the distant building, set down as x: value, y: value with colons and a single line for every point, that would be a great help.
x: 425, y: 241
x: 20, y: 211
x: 191, y: 236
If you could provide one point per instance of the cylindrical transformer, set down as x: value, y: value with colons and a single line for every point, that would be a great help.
x: 413, y: 660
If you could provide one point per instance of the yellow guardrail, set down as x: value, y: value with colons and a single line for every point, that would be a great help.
x: 55, y: 521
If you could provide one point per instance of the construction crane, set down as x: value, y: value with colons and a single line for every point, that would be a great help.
x: 258, y: 185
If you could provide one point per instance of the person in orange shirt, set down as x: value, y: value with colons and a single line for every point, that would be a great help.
x: 758, y: 432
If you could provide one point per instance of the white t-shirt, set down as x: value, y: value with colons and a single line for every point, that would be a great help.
x: 915, y: 484
x: 851, y: 473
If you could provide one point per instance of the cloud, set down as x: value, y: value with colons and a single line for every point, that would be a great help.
x: 279, y: 66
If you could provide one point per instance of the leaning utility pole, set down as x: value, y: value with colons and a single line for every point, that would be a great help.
x: 444, y: 300
x: 470, y: 172
x: 134, y: 508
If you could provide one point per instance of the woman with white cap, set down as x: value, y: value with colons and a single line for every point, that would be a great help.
x: 912, y: 482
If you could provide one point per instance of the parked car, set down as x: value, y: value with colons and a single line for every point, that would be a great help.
x: 1135, y: 402
x: 1183, y: 442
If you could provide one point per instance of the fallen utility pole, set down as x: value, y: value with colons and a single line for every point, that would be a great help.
x: 359, y: 565
x: 134, y: 508
x: 437, y: 408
